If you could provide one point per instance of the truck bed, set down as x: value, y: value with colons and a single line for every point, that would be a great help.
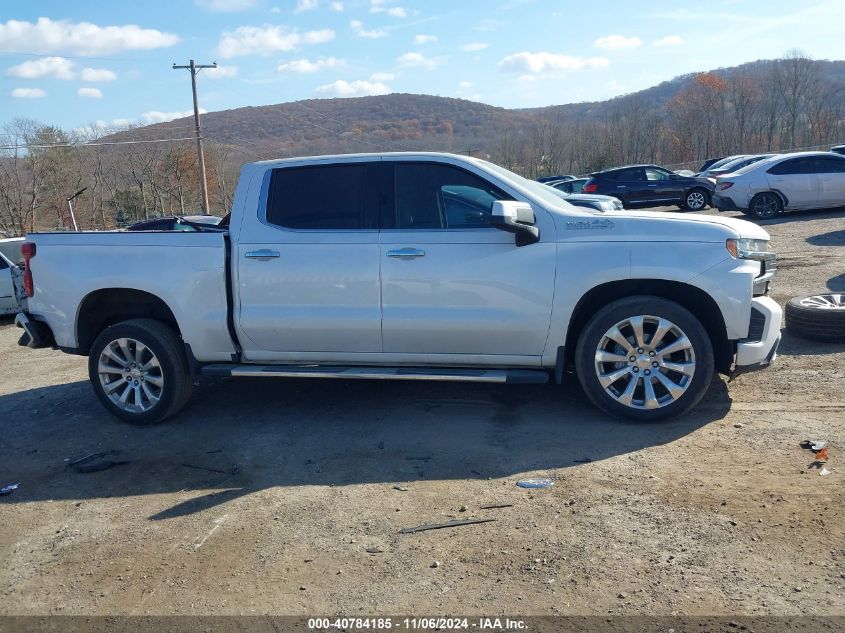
x: 187, y: 270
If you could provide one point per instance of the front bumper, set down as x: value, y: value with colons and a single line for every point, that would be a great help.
x: 760, y: 349
x: 36, y: 333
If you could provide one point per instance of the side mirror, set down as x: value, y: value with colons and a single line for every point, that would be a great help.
x: 675, y: 177
x: 517, y: 218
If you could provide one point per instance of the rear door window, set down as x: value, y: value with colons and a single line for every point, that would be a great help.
x: 632, y: 174
x: 325, y: 197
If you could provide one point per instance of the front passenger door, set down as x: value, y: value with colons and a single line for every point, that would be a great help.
x: 831, y: 175
x: 454, y: 288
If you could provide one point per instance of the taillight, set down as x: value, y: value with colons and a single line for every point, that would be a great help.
x: 725, y: 185
x: 590, y: 187
x: 28, y: 252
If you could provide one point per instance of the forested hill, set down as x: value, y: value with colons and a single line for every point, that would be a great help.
x: 410, y: 121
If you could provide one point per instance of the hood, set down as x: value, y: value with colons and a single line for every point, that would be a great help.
x: 657, y: 226
x: 689, y: 224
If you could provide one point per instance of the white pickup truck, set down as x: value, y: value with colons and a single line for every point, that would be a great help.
x: 412, y: 266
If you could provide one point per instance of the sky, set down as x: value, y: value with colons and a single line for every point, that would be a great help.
x: 102, y: 63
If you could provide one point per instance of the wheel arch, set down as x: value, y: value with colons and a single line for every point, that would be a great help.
x: 694, y: 299
x: 107, y: 306
x: 780, y: 194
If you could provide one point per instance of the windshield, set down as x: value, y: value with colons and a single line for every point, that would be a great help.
x: 546, y: 193
x: 725, y: 161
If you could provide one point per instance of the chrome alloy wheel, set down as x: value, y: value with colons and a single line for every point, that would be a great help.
x: 130, y: 375
x: 696, y: 200
x: 645, y: 362
x: 825, y: 302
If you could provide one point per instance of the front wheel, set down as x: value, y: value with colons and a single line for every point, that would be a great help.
x: 139, y: 371
x: 695, y: 200
x: 765, y: 206
x: 644, y: 358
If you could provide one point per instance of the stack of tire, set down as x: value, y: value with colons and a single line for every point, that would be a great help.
x: 818, y: 317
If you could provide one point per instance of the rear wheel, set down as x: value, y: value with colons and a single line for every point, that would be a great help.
x: 644, y: 358
x: 765, y: 206
x: 139, y: 371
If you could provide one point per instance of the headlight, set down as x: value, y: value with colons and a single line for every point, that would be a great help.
x: 746, y: 248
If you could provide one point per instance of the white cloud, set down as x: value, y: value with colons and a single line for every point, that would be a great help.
x: 306, y: 5
x: 79, y: 38
x: 221, y: 72
x: 548, y: 62
x: 359, y: 88
x: 28, y: 93
x: 424, y: 39
x: 266, y: 40
x: 275, y: 10
x: 465, y: 84
x: 337, y: 7
x: 225, y: 6
x: 617, y: 42
x: 90, y: 93
x: 52, y: 67
x: 380, y: 6
x: 474, y: 47
x: 307, y: 66
x: 154, y: 116
x: 358, y: 28
x: 97, y: 74
x: 419, y: 61
x: 382, y: 77
x: 669, y: 40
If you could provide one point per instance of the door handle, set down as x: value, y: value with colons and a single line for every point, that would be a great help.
x: 406, y: 253
x: 621, y: 186
x: 262, y: 255
x: 652, y: 185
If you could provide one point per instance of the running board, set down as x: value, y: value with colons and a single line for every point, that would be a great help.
x: 510, y: 376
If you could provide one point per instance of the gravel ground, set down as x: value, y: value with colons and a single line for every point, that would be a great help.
x: 716, y: 513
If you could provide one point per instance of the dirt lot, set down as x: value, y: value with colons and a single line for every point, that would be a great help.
x: 715, y: 513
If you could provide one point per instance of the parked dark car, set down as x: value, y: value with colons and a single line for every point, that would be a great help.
x: 548, y: 179
x: 650, y: 186
x: 709, y: 163
x: 176, y: 223
x: 839, y: 149
x: 569, y: 186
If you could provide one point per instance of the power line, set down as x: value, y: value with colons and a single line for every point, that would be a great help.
x: 96, y: 143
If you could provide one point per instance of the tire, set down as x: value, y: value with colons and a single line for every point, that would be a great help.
x: 765, y: 206
x: 695, y: 358
x: 817, y: 317
x: 140, y: 396
x: 696, y: 199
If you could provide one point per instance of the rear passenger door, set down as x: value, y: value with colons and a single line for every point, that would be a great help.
x: 307, y: 281
x: 455, y: 289
x: 796, y: 178
x: 631, y: 186
x: 831, y: 174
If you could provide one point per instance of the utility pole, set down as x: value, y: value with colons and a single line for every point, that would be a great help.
x: 195, y: 68
x: 70, y: 206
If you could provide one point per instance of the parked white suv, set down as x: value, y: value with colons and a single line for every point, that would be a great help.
x: 802, y: 180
